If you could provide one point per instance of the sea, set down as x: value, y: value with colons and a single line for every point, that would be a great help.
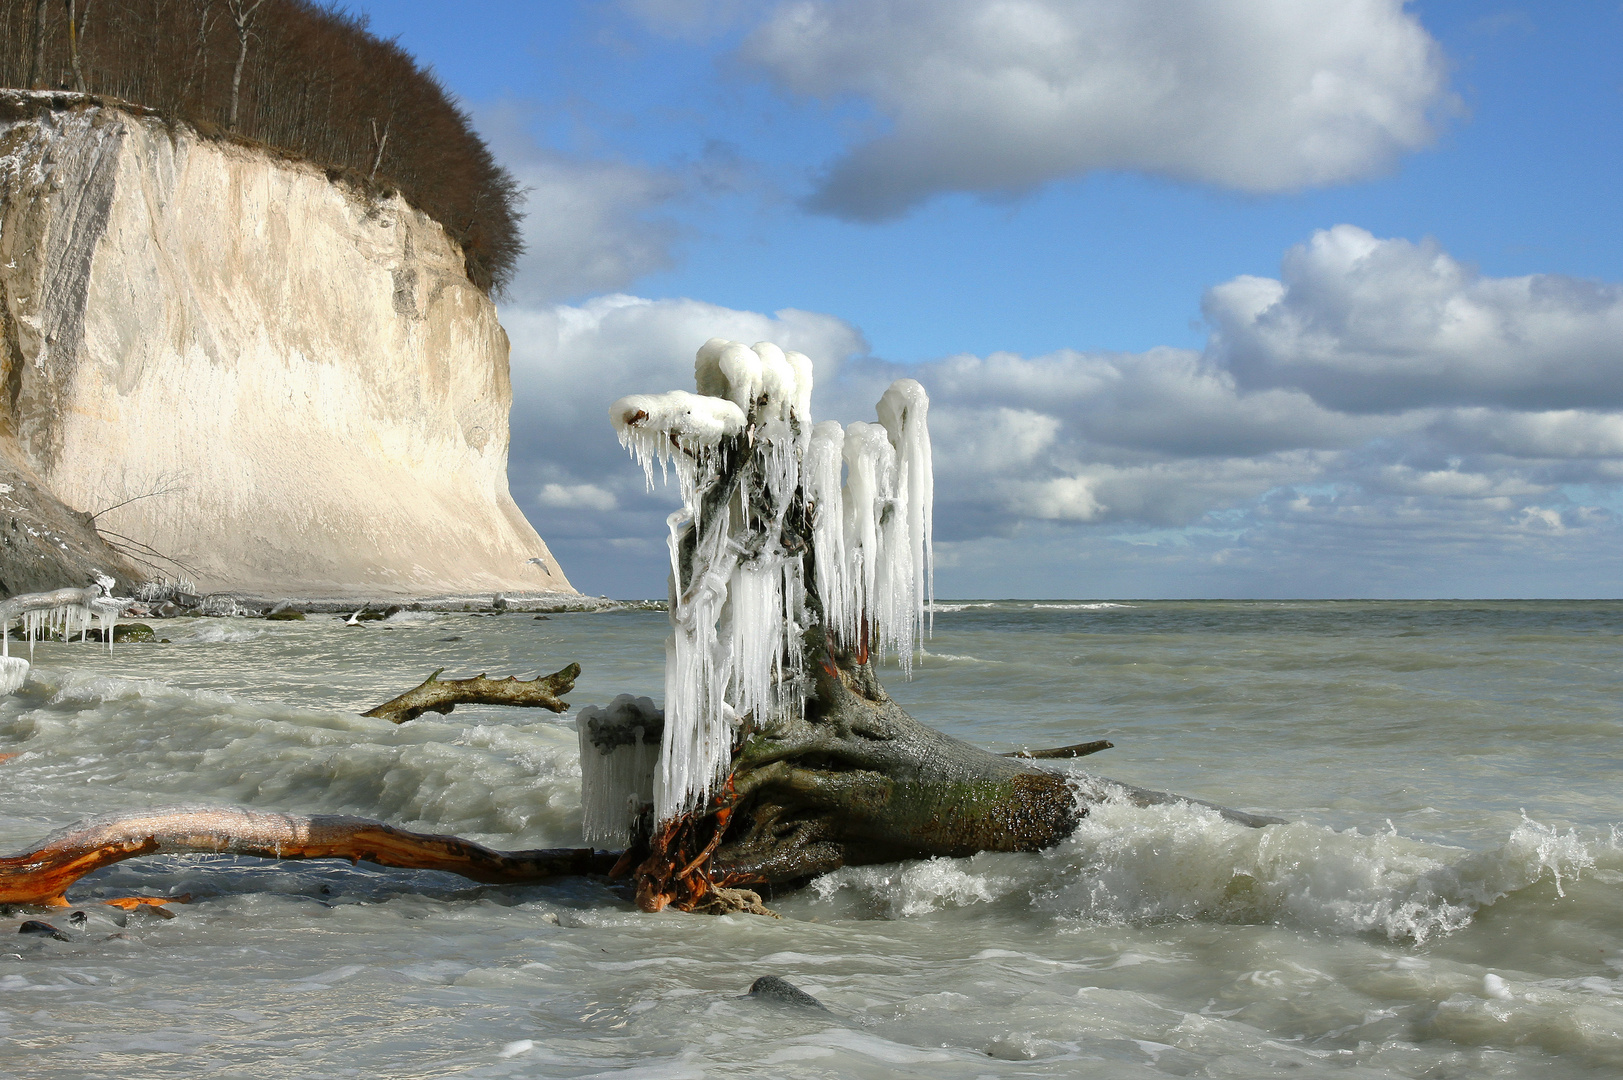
x: 1444, y: 899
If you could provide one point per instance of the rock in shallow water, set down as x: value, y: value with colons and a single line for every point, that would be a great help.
x: 772, y: 988
x: 35, y: 926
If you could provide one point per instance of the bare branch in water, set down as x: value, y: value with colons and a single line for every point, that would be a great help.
x: 441, y: 696
x: 1081, y: 749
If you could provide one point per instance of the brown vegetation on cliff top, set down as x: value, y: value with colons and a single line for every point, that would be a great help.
x: 299, y: 76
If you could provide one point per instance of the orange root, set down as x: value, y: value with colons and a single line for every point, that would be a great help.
x: 130, y: 903
x: 676, y: 872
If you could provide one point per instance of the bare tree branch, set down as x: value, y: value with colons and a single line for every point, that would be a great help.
x: 435, y: 695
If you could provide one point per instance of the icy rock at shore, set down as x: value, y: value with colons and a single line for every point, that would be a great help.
x: 619, y: 747
x: 738, y: 604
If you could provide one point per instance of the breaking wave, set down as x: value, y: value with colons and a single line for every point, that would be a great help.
x: 1128, y: 864
x: 1095, y: 606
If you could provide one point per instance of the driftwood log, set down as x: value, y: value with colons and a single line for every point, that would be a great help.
x: 442, y: 695
x: 854, y: 780
x: 850, y: 778
x: 42, y: 876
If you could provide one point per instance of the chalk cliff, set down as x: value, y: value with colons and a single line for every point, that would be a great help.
x: 295, y: 385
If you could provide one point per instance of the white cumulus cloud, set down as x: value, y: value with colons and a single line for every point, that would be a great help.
x: 1379, y: 325
x: 998, y: 97
x: 1244, y: 462
x: 576, y: 497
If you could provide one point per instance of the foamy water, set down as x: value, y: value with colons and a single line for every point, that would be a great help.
x: 1446, y: 899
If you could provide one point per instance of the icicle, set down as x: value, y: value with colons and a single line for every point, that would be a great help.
x: 756, y: 597
x: 904, y: 410
x: 698, y: 667
x: 673, y: 427
x: 619, y: 749
x: 65, y: 611
x: 870, y: 465
x: 801, y: 365
x: 13, y: 673
x: 824, y: 463
x: 778, y: 383
x: 742, y: 367
x: 707, y: 376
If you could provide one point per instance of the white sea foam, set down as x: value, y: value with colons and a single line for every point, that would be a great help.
x: 217, y: 631
x: 1128, y: 864
x: 955, y: 657
x: 86, y: 687
x: 913, y: 888
x: 1098, y: 606
x: 407, y: 617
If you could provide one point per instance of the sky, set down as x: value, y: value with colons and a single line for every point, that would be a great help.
x: 1212, y: 298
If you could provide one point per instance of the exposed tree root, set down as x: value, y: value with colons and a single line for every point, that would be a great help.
x: 43, y: 876
x: 441, y: 696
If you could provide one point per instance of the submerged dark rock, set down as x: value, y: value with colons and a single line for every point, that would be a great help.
x: 772, y: 988
x: 35, y: 926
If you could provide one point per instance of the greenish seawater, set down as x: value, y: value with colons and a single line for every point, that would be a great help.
x: 1446, y: 901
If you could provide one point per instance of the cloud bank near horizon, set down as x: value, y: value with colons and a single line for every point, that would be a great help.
x: 1376, y: 410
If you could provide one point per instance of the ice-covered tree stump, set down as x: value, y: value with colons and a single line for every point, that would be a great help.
x: 800, y: 555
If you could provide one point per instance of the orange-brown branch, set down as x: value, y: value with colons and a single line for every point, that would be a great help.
x: 43, y: 875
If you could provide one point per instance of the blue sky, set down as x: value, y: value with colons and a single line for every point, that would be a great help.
x: 1253, y: 298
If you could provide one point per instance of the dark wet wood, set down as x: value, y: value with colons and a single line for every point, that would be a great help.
x: 1081, y: 749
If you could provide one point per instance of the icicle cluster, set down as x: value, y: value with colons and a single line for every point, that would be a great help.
x: 873, y: 535
x: 619, y: 748
x: 746, y: 456
x: 64, y: 611
x: 13, y: 673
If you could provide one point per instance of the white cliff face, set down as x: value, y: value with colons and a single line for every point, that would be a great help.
x: 306, y: 378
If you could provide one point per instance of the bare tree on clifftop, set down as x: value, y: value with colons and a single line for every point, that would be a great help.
x: 36, y: 62
x: 242, y: 13
x: 76, y: 26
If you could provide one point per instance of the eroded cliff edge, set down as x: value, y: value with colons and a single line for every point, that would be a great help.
x: 296, y: 384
